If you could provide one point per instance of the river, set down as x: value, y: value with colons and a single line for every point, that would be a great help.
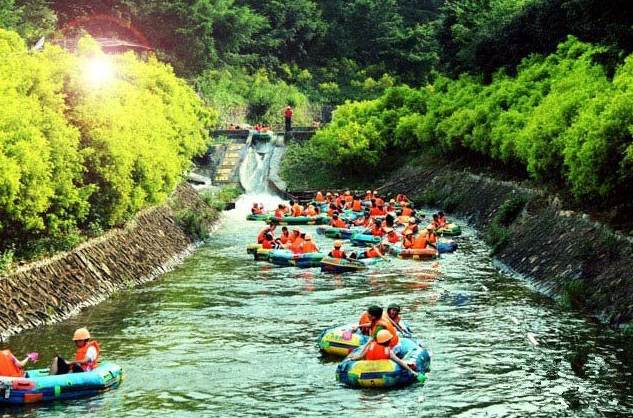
x: 226, y: 336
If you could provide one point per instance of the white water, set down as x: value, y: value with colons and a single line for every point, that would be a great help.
x: 255, y: 168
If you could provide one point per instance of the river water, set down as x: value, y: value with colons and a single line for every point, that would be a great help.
x: 225, y: 336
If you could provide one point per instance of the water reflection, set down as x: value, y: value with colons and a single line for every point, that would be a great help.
x: 229, y: 337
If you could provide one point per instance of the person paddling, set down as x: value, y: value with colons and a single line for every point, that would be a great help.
x: 380, y: 349
x: 337, y: 252
x: 86, y: 356
x: 393, y: 314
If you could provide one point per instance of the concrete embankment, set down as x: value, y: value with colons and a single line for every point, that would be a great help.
x: 568, y: 255
x: 153, y: 243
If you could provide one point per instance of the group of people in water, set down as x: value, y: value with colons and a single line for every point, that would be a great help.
x: 396, y: 222
x: 86, y: 359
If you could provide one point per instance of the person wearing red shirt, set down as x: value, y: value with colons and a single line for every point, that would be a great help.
x: 288, y: 118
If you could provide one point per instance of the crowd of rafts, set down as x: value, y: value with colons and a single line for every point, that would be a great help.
x: 380, y: 350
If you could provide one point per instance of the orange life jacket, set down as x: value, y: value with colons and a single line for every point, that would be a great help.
x: 376, y: 211
x: 309, y: 247
x: 81, y: 355
x: 297, y: 246
x: 357, y: 205
x: 279, y: 213
x: 296, y: 210
x: 267, y: 244
x: 9, y: 365
x: 407, y: 211
x: 442, y: 222
x: 337, y: 253
x: 284, y: 238
x: 338, y: 223
x: 349, y: 198
x: 407, y: 242
x: 262, y: 235
x: 372, y: 253
x: 420, y: 242
x: 319, y: 197
x: 361, y: 221
x: 393, y: 238
x: 377, y: 231
x: 376, y: 351
x: 256, y: 210
x: 386, y: 324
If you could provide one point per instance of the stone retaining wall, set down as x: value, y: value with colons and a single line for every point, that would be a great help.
x: 566, y: 253
x: 53, y: 289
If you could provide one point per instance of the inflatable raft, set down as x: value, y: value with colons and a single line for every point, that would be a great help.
x: 338, y: 233
x: 443, y: 247
x: 261, y: 217
x: 38, y: 386
x: 340, y: 341
x: 299, y: 220
x: 365, y: 240
x: 286, y: 258
x: 450, y: 230
x: 417, y: 254
x: 259, y: 253
x: 384, y: 373
x: 341, y: 265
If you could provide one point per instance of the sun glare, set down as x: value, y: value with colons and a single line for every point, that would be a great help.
x: 99, y: 71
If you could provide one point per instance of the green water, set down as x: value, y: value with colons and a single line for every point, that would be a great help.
x: 225, y: 336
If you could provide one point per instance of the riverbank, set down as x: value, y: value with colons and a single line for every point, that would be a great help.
x: 568, y: 255
x: 154, y: 242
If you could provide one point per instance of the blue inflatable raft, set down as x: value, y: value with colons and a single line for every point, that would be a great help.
x: 38, y: 386
x: 286, y: 258
x: 365, y: 240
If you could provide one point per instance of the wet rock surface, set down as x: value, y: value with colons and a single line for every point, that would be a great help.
x: 53, y: 289
x: 568, y: 255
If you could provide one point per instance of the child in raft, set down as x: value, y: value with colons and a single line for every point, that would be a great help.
x: 10, y: 366
x: 86, y: 356
x: 378, y: 349
x: 308, y: 245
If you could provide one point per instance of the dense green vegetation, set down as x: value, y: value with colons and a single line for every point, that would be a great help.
x: 80, y: 152
x: 493, y: 79
x: 561, y: 118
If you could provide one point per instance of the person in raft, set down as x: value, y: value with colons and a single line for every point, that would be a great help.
x: 86, y: 356
x: 257, y: 209
x: 373, y: 252
x: 280, y: 211
x: 393, y: 314
x: 270, y: 229
x: 379, y: 349
x: 10, y: 366
x: 337, y: 222
x: 337, y: 252
x: 308, y: 245
x: 373, y: 320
